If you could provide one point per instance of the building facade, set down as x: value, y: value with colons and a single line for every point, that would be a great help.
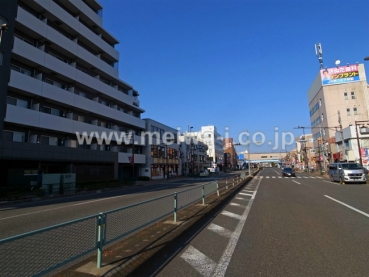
x: 305, y: 151
x: 347, y: 147
x: 336, y: 102
x: 214, y: 141
x: 230, y: 155
x: 162, y: 151
x: 59, y: 77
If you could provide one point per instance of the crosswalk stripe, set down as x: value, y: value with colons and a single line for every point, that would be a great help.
x: 240, y: 198
x: 233, y: 215
x: 267, y: 177
x: 279, y: 177
x: 203, y: 264
x: 220, y: 230
x: 237, y: 205
x: 248, y: 194
x: 299, y: 177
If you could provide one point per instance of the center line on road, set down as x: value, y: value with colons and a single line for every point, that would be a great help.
x: 348, y: 206
x: 296, y: 182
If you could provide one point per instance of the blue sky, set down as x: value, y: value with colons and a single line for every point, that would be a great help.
x: 246, y: 65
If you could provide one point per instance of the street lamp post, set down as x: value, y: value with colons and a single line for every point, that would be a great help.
x: 3, y: 27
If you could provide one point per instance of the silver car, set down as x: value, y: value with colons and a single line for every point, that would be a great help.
x: 347, y: 172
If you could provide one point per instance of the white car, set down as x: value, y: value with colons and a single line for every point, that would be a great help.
x: 204, y: 173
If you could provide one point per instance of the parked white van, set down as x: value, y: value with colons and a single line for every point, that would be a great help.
x: 347, y: 172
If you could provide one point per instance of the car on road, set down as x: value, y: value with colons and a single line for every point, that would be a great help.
x: 288, y: 171
x: 347, y: 172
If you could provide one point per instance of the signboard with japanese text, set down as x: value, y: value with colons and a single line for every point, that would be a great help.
x: 340, y: 75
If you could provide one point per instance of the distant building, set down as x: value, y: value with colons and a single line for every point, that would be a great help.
x: 214, y: 141
x: 230, y: 155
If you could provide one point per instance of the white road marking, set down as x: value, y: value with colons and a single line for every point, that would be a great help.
x: 312, y: 177
x: 296, y: 182
x: 279, y: 176
x: 220, y: 230
x: 224, y: 261
x: 199, y: 261
x: 273, y: 176
x: 276, y: 171
x: 348, y: 206
x: 233, y: 215
x: 248, y: 194
x: 267, y: 177
x: 305, y: 177
x: 299, y: 177
x: 235, y: 204
x: 240, y: 198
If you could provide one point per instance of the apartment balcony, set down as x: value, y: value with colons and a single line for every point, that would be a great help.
x: 124, y: 158
x: 78, y: 27
x: 86, y: 10
x: 70, y: 46
x: 38, y: 57
x: 33, y: 118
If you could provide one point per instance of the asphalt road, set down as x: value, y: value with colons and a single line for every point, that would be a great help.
x: 26, y: 217
x: 280, y: 227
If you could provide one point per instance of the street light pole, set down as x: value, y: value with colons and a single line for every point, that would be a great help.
x: 3, y: 27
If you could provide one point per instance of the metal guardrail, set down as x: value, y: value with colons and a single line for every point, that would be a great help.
x: 23, y: 255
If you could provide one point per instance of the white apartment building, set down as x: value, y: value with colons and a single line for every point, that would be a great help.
x: 59, y: 76
x: 214, y: 141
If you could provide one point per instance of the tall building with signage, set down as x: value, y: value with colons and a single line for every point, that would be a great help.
x: 337, y: 98
x: 59, y: 76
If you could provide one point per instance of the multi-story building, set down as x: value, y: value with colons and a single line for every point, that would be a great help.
x: 305, y: 151
x: 230, y: 155
x: 337, y: 98
x: 214, y: 141
x: 58, y: 76
x: 347, y: 146
x: 162, y: 151
x: 193, y: 154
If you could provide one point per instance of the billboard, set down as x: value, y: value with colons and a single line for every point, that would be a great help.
x: 340, y: 75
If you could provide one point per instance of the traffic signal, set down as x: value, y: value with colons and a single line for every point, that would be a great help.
x: 319, y: 141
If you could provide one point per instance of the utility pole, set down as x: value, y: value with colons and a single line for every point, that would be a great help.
x: 342, y: 139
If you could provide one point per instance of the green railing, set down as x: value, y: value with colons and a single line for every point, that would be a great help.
x: 43, y: 251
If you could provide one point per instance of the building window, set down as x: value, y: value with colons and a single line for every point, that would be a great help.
x: 345, y: 94
x: 21, y: 70
x: 51, y: 111
x: 49, y: 140
x: 320, y: 102
x: 51, y: 82
x: 13, y: 136
x: 16, y: 102
x: 355, y: 111
x: 78, y: 118
x: 322, y: 117
x: 348, y: 111
x: 353, y: 95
